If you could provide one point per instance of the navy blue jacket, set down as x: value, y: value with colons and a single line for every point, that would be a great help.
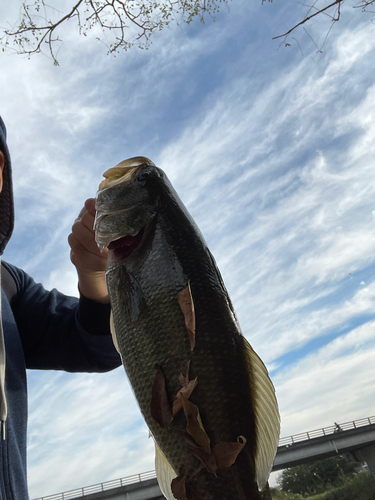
x: 44, y: 330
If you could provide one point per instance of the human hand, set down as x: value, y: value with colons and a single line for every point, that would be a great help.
x: 86, y: 256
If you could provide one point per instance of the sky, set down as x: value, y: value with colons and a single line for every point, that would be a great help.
x: 272, y: 150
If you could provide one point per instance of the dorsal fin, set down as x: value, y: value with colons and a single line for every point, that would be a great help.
x: 267, y: 418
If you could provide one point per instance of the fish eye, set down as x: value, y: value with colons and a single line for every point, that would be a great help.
x: 142, y: 177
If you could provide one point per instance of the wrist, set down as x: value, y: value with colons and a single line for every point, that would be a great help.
x: 92, y: 285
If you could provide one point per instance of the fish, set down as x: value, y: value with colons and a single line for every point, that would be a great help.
x: 204, y: 393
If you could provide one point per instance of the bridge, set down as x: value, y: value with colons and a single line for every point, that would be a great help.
x: 355, y: 439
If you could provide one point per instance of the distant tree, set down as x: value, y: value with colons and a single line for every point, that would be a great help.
x: 316, y: 477
x: 125, y: 23
x: 298, y: 479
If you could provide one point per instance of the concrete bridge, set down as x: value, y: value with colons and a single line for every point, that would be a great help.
x: 355, y: 438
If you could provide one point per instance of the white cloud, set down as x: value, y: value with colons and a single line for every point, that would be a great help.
x: 84, y: 419
x: 285, y: 233
x: 333, y: 384
x: 64, y: 280
x: 274, y: 159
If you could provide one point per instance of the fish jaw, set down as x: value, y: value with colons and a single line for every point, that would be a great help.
x: 124, y: 206
x: 125, y: 246
x: 122, y: 228
x: 123, y: 171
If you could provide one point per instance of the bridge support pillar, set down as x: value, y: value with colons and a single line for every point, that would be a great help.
x: 368, y: 455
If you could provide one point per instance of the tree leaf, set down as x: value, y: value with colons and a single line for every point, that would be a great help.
x: 194, y: 424
x: 185, y: 392
x: 185, y: 299
x: 226, y: 453
x: 160, y: 408
x: 208, y: 459
x: 184, y: 379
x: 187, y: 387
x: 178, y: 487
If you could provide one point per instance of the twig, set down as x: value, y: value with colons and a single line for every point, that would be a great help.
x: 308, y: 18
x: 311, y: 38
x: 298, y: 45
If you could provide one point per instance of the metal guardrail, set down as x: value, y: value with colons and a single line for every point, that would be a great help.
x: 115, y: 483
x: 326, y: 431
x: 96, y: 488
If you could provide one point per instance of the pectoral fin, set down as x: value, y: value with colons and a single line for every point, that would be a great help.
x: 113, y: 333
x: 267, y: 418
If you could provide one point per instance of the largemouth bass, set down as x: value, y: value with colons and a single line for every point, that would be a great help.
x: 204, y: 393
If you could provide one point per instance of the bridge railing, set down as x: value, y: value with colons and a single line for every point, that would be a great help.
x: 326, y: 431
x: 115, y: 483
x: 96, y: 488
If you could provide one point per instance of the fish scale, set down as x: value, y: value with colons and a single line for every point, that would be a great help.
x: 151, y: 330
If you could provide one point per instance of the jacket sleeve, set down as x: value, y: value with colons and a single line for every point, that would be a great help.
x: 59, y: 332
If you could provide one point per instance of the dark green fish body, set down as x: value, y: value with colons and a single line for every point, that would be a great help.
x: 169, y: 256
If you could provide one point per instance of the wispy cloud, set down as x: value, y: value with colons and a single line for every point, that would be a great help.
x: 340, y: 372
x: 71, y: 414
x: 273, y: 155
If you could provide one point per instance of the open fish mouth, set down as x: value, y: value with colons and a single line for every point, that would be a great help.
x: 125, y: 246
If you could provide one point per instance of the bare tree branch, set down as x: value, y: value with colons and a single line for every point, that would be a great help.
x: 329, y: 31
x: 336, y: 2
x: 113, y: 17
x: 363, y: 4
x: 125, y: 23
x: 49, y: 27
x: 314, y: 10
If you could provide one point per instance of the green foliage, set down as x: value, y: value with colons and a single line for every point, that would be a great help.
x: 316, y: 477
x: 321, y: 496
x: 277, y: 494
x: 361, y: 487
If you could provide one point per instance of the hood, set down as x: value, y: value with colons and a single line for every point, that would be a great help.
x: 6, y: 195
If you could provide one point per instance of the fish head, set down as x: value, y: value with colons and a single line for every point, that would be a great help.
x: 126, y: 205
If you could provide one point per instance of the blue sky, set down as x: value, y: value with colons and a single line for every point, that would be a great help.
x: 272, y: 151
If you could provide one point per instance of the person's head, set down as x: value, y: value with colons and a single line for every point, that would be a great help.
x: 6, y: 194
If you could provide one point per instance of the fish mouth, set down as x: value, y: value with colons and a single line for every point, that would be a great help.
x: 125, y: 246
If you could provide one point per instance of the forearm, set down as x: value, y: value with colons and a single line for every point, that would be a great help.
x: 61, y: 332
x: 93, y: 286
x: 94, y: 317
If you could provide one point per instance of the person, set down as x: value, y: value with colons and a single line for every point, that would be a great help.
x: 45, y: 329
x: 337, y: 428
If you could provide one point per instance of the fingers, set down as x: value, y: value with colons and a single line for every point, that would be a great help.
x: 84, y: 234
x: 90, y: 206
x: 85, y: 260
x: 87, y: 255
x: 88, y: 213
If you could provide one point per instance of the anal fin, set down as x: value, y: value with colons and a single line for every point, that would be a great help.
x: 164, y: 473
